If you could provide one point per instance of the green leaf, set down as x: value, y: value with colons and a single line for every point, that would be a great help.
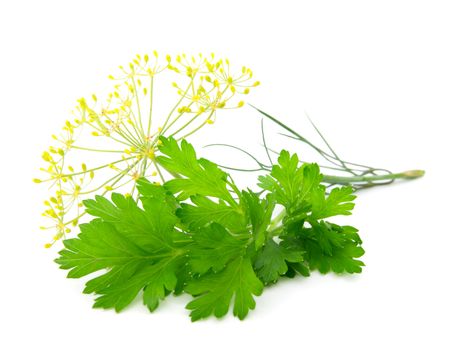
x: 334, y: 248
x: 200, y: 176
x: 338, y: 202
x: 214, y: 247
x: 148, y: 229
x: 140, y: 247
x: 292, y: 185
x: 204, y: 241
x: 214, y: 292
x: 91, y: 252
x: 327, y: 237
x: 297, y: 268
x: 271, y: 261
x: 299, y: 189
x: 259, y: 212
x: 204, y: 211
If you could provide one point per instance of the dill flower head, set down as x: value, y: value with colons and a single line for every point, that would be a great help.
x: 120, y: 133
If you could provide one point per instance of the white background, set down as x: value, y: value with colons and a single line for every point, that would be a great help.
x: 385, y: 80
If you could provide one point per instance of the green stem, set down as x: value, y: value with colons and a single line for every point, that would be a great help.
x: 150, y: 106
x: 346, y: 180
x: 139, y: 120
x: 163, y: 128
x: 277, y: 220
x: 95, y: 150
x: 174, y: 174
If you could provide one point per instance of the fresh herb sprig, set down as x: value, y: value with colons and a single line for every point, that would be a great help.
x: 200, y: 234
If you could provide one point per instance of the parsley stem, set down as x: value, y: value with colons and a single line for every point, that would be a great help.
x: 275, y: 223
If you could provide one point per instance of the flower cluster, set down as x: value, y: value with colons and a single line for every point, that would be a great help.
x: 124, y: 128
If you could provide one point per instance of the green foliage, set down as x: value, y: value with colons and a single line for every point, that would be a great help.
x: 214, y: 292
x: 200, y: 176
x: 271, y: 261
x: 199, y: 234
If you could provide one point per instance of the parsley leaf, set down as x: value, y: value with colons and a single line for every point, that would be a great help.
x: 194, y: 176
x: 139, y: 246
x: 203, y: 210
x: 329, y: 247
x: 199, y: 234
x: 214, y: 292
x: 271, y: 261
x: 292, y: 185
x: 214, y: 247
x: 259, y: 213
x: 338, y: 202
x: 334, y: 248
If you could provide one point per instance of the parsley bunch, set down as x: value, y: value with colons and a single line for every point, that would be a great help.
x: 200, y: 234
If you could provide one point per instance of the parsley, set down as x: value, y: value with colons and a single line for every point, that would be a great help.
x: 199, y: 234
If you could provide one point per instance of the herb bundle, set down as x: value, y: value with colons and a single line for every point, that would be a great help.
x: 200, y: 234
x: 195, y: 232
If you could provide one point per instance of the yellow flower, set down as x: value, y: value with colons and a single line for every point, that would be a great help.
x: 128, y: 128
